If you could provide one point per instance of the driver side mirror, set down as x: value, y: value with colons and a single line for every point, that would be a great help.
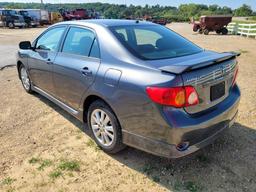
x: 25, y: 45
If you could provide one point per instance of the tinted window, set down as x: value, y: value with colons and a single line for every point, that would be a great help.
x: 78, y: 41
x: 154, y: 42
x: 50, y: 40
x: 95, y: 51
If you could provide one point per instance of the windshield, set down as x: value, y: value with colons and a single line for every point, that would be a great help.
x: 154, y: 42
x: 25, y: 13
x: 12, y: 12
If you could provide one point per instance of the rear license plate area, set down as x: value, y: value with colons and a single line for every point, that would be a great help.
x: 217, y: 91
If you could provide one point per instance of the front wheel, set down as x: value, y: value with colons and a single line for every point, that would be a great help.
x: 25, y: 80
x: 11, y: 25
x: 105, y: 127
x: 206, y: 31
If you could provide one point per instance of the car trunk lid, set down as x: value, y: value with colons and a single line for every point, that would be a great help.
x: 210, y: 73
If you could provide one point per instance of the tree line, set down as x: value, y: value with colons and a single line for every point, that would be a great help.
x: 114, y: 11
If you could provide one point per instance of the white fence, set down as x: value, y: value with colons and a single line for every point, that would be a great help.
x: 248, y: 30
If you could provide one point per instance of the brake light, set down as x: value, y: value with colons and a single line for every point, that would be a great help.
x: 173, y: 96
x: 234, y: 77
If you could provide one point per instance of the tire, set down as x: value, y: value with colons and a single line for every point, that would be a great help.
x: 218, y: 31
x: 100, y: 132
x: 200, y: 31
x: 206, y: 31
x: 26, y: 83
x: 224, y: 31
x: 11, y: 25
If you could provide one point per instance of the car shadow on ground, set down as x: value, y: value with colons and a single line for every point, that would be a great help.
x: 221, y: 165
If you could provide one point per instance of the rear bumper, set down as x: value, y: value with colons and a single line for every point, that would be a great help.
x: 197, y: 131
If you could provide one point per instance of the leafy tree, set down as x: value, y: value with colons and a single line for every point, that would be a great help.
x: 183, y: 13
x: 245, y: 10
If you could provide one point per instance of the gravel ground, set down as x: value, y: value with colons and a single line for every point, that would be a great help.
x: 43, y: 148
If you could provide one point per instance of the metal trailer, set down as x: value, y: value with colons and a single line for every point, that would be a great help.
x: 216, y: 23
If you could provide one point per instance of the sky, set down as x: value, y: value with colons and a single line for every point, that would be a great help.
x: 230, y: 3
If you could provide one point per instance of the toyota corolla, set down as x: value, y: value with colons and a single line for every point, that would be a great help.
x: 134, y: 83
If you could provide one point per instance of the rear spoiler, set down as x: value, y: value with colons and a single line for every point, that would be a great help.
x: 178, y: 69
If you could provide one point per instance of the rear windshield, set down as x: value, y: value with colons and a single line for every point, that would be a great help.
x: 154, y: 42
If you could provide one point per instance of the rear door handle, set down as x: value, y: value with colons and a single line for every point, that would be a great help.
x: 86, y: 72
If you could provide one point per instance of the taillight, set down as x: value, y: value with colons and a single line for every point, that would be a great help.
x: 234, y: 77
x: 173, y: 96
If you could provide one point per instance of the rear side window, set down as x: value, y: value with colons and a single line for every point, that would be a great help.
x: 50, y: 40
x: 78, y: 41
x: 152, y: 42
x: 95, y: 51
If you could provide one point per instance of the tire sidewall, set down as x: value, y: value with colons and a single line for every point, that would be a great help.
x: 115, y: 124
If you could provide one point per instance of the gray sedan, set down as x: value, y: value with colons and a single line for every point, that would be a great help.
x: 134, y: 83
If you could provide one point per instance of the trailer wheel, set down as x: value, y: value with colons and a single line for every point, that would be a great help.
x: 206, y: 31
x: 224, y: 31
x: 218, y: 31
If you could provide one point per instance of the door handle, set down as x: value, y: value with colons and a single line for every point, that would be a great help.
x: 49, y: 62
x: 86, y: 72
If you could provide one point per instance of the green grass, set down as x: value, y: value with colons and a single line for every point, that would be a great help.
x: 8, y: 181
x: 177, y: 186
x: 69, y: 165
x: 55, y: 174
x: 44, y: 163
x: 202, y: 158
x: 33, y: 160
x: 192, y: 186
x: 187, y: 186
x: 156, y: 178
x: 148, y: 169
x: 92, y: 144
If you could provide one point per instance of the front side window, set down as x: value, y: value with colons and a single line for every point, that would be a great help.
x: 78, y: 41
x: 50, y: 40
x: 152, y: 42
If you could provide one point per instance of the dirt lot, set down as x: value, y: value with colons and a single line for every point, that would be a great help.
x: 43, y: 148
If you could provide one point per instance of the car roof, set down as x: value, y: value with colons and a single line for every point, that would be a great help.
x: 108, y: 22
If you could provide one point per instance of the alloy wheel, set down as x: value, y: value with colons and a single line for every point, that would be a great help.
x: 24, y: 78
x: 102, y: 127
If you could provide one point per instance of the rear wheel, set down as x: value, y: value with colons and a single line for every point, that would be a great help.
x: 224, y: 31
x: 105, y: 127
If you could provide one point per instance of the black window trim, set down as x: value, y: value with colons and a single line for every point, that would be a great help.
x: 81, y: 27
x: 47, y: 30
